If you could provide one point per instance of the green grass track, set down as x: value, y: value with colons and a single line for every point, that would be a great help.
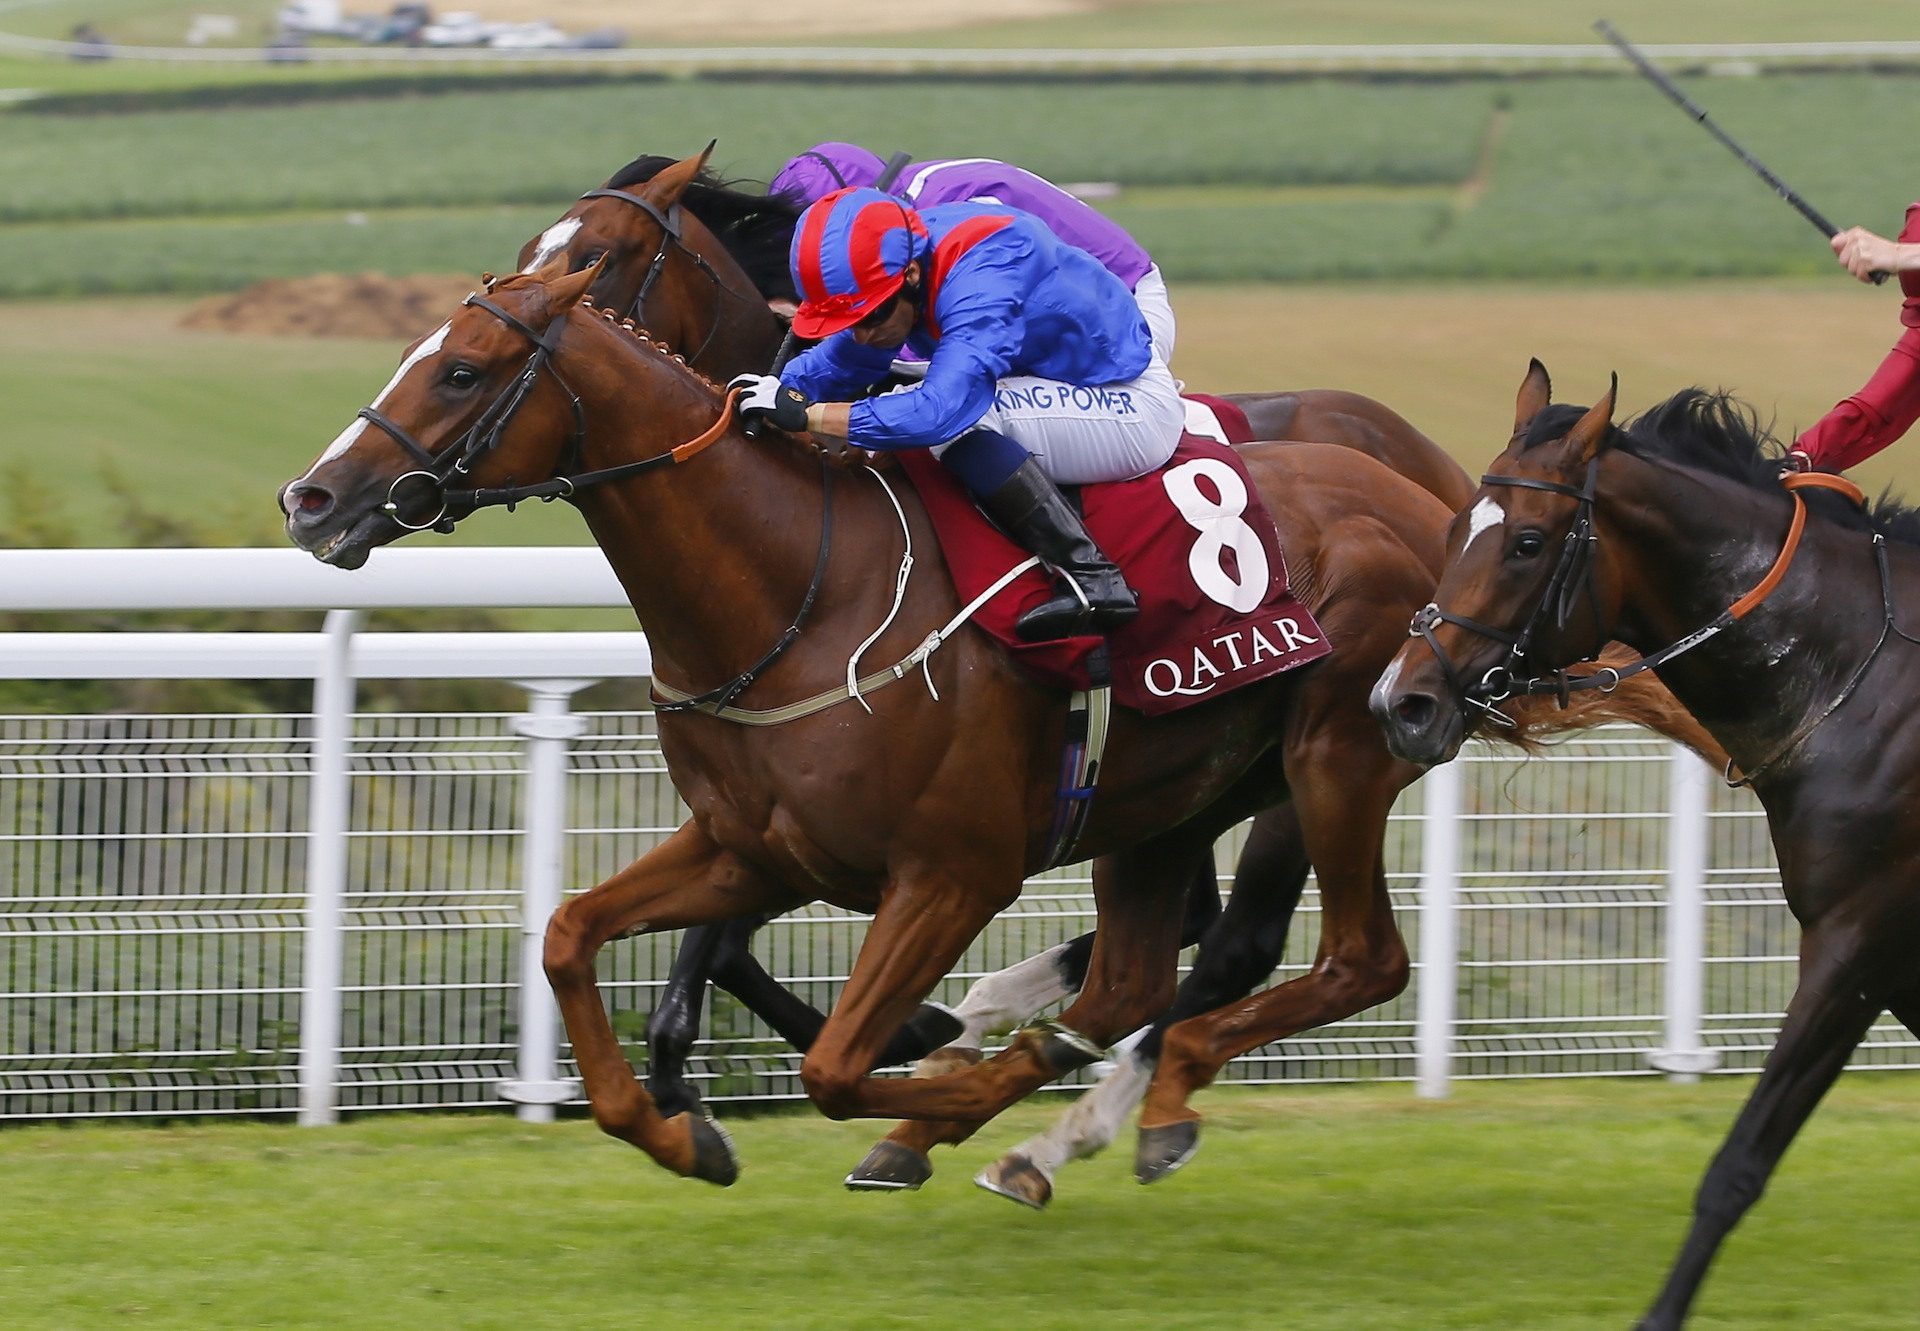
x: 1550, y: 1207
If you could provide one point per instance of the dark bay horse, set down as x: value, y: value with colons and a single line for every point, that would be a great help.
x: 1782, y: 621
x: 930, y: 811
x: 685, y: 252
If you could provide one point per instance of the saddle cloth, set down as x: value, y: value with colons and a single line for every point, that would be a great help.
x: 1194, y: 541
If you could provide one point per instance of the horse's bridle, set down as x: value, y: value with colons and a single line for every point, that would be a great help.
x: 669, y: 222
x: 1572, y: 575
x: 1575, y: 571
x: 436, y: 469
x: 485, y: 433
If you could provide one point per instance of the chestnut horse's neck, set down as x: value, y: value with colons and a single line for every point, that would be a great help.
x: 1687, y: 545
x: 715, y: 553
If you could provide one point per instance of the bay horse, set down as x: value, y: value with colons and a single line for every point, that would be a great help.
x: 930, y: 811
x: 1776, y: 615
x: 686, y: 253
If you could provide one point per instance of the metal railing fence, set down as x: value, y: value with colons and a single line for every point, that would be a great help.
x: 207, y: 914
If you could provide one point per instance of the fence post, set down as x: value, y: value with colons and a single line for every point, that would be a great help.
x: 1439, y: 928
x: 550, y: 727
x: 1683, y: 1058
x: 329, y: 802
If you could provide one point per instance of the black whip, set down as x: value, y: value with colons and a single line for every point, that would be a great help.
x: 1685, y: 103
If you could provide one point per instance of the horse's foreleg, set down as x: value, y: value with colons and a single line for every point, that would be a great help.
x: 686, y: 880
x: 1825, y: 1021
x: 1237, y: 953
x: 674, y: 1023
x: 1343, y: 783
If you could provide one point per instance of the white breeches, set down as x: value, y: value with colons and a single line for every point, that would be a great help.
x: 1081, y: 435
x: 1151, y: 295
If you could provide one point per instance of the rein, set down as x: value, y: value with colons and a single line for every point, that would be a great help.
x: 1575, y: 572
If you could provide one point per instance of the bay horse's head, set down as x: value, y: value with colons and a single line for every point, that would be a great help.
x: 1524, y: 589
x: 475, y: 403
x: 659, y: 263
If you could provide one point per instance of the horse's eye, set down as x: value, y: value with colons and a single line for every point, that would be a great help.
x: 586, y: 261
x: 462, y: 377
x: 1528, y: 544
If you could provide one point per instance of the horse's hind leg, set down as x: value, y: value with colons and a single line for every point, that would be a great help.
x: 1825, y: 1022
x: 1343, y: 783
x: 1131, y: 977
x: 998, y: 1002
x: 686, y: 880
x: 1237, y: 953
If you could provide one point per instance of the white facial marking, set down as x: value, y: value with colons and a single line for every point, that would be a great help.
x: 552, y: 241
x: 345, y: 439
x: 1485, y: 514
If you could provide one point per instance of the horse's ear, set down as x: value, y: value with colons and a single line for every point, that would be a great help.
x: 564, y: 289
x: 665, y: 189
x: 1536, y: 391
x: 1592, y: 431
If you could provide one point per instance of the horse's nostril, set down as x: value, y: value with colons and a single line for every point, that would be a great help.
x: 1413, y: 710
x: 308, y: 500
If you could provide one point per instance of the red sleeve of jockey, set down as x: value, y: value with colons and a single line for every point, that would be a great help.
x: 977, y: 300
x: 1889, y: 403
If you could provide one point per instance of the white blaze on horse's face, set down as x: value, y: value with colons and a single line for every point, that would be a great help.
x: 554, y: 239
x: 1485, y: 514
x: 349, y: 436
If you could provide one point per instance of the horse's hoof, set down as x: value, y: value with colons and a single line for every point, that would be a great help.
x: 713, y: 1155
x: 890, y: 1167
x: 1163, y: 1150
x: 1018, y: 1179
x: 954, y: 1058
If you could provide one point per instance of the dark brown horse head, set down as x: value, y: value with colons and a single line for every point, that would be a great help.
x: 1524, y: 588
x: 661, y: 266
x: 471, y: 405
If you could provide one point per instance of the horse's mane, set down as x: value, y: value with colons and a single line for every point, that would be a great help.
x: 1716, y: 432
x: 756, y: 228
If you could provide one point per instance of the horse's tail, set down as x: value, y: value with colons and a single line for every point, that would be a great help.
x: 1642, y: 700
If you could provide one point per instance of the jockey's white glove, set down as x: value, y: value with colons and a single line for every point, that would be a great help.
x: 764, y: 398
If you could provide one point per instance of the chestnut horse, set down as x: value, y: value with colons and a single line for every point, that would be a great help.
x: 1775, y: 617
x: 686, y: 253
x: 930, y: 811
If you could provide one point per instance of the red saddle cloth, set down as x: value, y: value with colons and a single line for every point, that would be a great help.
x: 1194, y: 541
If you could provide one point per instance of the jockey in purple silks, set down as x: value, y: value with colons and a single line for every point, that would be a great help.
x: 826, y: 167
x: 1040, y: 369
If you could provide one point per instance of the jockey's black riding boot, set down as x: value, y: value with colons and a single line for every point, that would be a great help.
x: 1092, y: 597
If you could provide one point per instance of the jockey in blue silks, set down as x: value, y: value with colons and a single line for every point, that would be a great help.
x: 1026, y: 339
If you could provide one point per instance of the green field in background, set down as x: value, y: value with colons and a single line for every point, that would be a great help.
x: 1315, y: 180
x: 1553, y: 1207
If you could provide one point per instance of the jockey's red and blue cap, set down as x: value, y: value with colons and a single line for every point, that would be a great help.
x: 850, y: 251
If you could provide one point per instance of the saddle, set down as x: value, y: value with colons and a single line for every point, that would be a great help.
x: 1195, y: 543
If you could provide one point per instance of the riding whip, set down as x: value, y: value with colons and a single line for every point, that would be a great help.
x: 1685, y: 103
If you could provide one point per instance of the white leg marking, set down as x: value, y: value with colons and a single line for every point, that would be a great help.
x: 552, y: 241
x: 1003, y: 1000
x: 1090, y: 1126
x: 345, y: 439
x: 1485, y: 514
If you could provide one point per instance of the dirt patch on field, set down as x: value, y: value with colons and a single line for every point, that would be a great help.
x: 366, y: 305
x: 760, y: 22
